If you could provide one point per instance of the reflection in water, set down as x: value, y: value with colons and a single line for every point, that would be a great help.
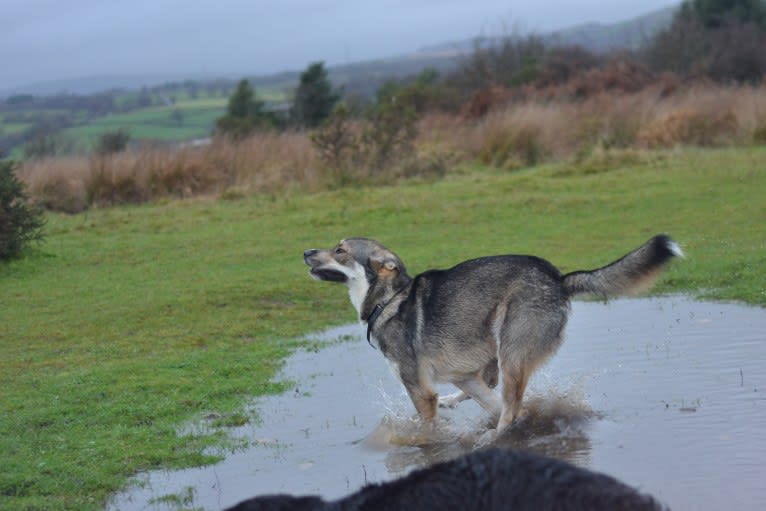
x: 668, y: 395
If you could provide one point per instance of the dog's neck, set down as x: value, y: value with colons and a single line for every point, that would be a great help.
x: 381, y: 293
x: 358, y: 287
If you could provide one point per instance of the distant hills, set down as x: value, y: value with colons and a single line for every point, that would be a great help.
x: 631, y: 34
x: 364, y: 77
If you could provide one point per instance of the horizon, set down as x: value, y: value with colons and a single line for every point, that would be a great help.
x: 142, y: 41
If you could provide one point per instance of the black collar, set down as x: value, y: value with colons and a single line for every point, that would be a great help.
x: 372, y: 318
x: 375, y: 314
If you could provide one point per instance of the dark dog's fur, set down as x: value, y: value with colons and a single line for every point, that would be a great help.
x: 461, y: 324
x: 486, y: 480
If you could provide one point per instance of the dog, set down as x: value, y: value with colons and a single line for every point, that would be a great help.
x: 464, y: 325
x: 486, y: 480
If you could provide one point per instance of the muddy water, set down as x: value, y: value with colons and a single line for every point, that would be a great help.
x: 666, y: 394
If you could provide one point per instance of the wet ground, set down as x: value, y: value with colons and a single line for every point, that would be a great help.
x: 667, y: 394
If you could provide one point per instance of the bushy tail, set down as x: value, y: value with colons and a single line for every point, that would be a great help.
x: 635, y: 272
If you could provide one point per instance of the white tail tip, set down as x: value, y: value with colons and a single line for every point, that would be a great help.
x: 675, y: 248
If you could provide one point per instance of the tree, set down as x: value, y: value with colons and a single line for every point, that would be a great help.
x: 177, y: 116
x: 112, y: 142
x: 45, y: 140
x: 144, y: 98
x: 20, y: 223
x: 717, y: 13
x: 314, y: 97
x: 721, y: 39
x: 244, y: 113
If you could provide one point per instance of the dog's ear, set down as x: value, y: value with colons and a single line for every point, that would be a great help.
x: 383, y: 263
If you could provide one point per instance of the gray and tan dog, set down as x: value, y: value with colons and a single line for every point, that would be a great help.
x: 459, y: 325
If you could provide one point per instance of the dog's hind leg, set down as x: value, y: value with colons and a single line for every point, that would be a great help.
x: 478, y: 389
x: 529, y: 338
x: 515, y: 378
x: 452, y: 400
x: 489, y: 375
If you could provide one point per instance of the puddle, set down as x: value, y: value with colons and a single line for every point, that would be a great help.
x: 667, y: 394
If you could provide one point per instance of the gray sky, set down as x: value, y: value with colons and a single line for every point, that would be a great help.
x: 45, y: 40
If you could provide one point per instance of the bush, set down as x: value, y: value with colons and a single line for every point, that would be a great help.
x: 505, y: 61
x: 389, y: 135
x: 334, y: 140
x: 513, y: 147
x: 112, y: 141
x: 759, y: 135
x: 20, y: 222
x: 688, y: 126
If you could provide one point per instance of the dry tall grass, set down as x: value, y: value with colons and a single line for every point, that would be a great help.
x: 512, y: 135
x: 526, y: 133
x: 266, y: 162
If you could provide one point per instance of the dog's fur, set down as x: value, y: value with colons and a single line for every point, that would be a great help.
x: 486, y: 480
x: 460, y: 325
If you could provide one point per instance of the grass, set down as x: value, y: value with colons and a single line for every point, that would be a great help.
x: 11, y: 128
x: 156, y: 123
x: 150, y: 123
x: 130, y: 321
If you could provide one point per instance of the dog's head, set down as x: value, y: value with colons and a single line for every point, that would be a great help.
x: 370, y: 270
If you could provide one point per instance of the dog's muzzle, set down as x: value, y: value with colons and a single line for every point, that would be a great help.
x: 307, y: 254
x: 320, y: 273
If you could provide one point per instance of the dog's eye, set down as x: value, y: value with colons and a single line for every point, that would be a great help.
x: 339, y: 250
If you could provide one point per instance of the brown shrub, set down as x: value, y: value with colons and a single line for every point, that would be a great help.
x: 759, y: 134
x: 690, y: 127
x: 705, y: 115
x: 107, y: 186
x: 517, y: 136
x: 57, y: 183
x: 484, y: 100
x: 263, y: 162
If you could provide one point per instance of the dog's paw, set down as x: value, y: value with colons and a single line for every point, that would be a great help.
x: 451, y: 400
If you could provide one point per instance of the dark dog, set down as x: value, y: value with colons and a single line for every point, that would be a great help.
x: 489, y: 480
x: 458, y: 325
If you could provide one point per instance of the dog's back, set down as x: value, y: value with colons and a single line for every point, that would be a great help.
x: 486, y: 480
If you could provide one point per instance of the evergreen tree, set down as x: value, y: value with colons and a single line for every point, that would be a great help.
x: 244, y: 113
x: 721, y: 39
x: 716, y: 13
x: 20, y: 222
x: 242, y: 103
x: 314, y: 97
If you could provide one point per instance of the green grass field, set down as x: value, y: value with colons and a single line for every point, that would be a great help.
x: 151, y: 123
x: 155, y: 123
x: 14, y: 127
x: 129, y: 322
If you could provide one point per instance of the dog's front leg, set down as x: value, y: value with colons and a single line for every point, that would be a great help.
x: 425, y: 399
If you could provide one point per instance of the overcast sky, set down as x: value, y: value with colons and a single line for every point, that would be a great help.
x: 45, y: 40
